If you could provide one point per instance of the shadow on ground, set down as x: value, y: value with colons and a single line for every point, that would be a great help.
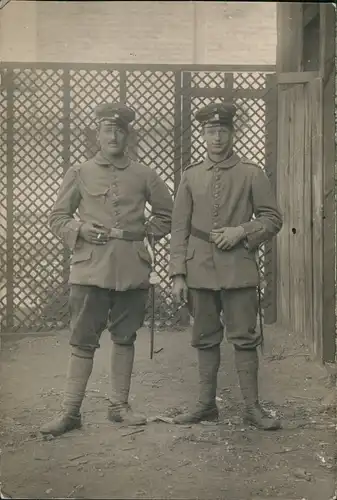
x: 161, y: 461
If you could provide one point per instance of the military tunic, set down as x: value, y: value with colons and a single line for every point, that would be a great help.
x: 116, y: 198
x: 211, y: 196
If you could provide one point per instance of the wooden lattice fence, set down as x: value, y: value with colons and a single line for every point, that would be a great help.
x: 47, y: 125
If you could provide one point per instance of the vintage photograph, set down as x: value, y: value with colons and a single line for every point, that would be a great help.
x: 168, y: 250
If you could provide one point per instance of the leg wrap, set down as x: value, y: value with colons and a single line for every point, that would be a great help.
x: 79, y: 370
x: 122, y: 358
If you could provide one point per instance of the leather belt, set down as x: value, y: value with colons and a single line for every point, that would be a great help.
x: 121, y: 234
x: 201, y: 235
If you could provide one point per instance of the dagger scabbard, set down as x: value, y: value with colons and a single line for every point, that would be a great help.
x: 154, y: 278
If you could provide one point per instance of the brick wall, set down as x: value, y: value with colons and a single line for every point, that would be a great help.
x: 139, y: 31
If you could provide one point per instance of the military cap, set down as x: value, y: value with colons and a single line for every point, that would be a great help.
x: 216, y: 113
x: 114, y: 113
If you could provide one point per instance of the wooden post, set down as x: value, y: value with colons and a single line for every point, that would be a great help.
x: 186, y: 129
x: 66, y: 162
x: 10, y: 312
x: 289, y: 48
x: 132, y: 149
x: 186, y: 119
x: 177, y: 130
x: 270, y: 313
x: 328, y: 72
x: 316, y: 92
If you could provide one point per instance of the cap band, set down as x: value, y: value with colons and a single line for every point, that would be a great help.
x: 114, y: 113
x: 220, y: 121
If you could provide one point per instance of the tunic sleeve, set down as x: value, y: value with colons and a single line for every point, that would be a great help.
x: 61, y: 218
x: 159, y: 197
x: 268, y: 220
x: 181, y: 226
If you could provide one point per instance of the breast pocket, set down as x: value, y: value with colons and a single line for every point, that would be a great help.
x: 94, y: 192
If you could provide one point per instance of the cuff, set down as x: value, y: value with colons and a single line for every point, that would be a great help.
x: 251, y: 227
x: 255, y: 234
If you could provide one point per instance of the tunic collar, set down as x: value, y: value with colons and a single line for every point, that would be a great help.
x: 104, y: 162
x: 229, y: 163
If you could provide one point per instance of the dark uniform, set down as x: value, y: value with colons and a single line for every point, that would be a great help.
x: 109, y: 283
x: 213, y: 196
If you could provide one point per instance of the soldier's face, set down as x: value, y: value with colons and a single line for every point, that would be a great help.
x: 112, y: 139
x: 218, y: 138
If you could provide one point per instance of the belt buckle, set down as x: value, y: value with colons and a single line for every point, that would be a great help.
x: 116, y: 233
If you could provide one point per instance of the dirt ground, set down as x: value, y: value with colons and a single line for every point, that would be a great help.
x: 163, y: 461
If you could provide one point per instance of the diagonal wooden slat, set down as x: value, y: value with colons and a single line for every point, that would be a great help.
x: 41, y: 121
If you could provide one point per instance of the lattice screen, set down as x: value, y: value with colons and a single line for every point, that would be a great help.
x: 50, y: 120
x: 3, y: 205
x: 33, y: 176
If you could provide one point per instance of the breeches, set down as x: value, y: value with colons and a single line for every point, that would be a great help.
x: 95, y: 309
x: 239, y: 306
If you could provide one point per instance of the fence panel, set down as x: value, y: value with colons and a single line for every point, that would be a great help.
x: 48, y: 125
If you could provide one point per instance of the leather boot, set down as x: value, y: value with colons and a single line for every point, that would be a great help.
x: 206, y: 409
x: 79, y: 371
x: 247, y: 364
x: 121, y: 370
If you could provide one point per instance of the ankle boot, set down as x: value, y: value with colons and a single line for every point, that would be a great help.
x: 119, y: 410
x: 79, y: 371
x: 247, y: 368
x: 206, y: 408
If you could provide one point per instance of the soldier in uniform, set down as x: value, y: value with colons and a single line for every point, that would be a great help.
x: 110, y: 264
x: 213, y: 264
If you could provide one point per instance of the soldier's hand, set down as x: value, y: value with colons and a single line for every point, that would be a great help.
x: 94, y: 233
x: 179, y: 289
x: 227, y: 237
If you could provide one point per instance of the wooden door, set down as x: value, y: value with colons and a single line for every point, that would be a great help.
x: 301, y: 185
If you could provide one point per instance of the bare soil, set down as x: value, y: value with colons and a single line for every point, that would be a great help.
x: 163, y: 461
